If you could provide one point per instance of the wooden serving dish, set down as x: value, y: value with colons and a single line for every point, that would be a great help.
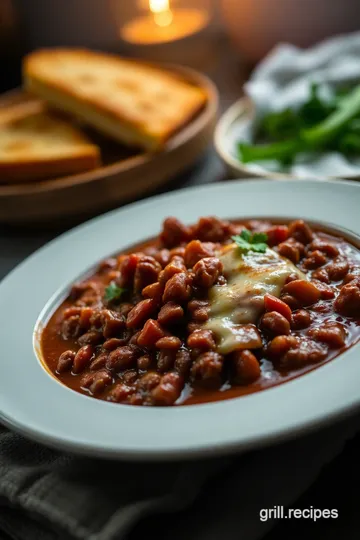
x: 125, y: 175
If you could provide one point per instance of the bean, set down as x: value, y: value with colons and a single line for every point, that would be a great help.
x: 275, y: 323
x: 246, y: 366
x: 65, y: 362
x: 82, y: 358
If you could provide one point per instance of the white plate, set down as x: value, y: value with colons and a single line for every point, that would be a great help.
x: 235, y: 125
x: 37, y: 405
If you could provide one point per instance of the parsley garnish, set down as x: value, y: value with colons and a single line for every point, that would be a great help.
x: 113, y: 292
x: 248, y: 241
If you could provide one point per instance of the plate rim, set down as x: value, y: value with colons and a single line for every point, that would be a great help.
x: 191, y: 451
x: 243, y: 108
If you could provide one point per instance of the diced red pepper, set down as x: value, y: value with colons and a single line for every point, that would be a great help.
x: 277, y: 234
x: 275, y: 304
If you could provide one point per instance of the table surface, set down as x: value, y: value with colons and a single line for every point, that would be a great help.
x: 331, y: 490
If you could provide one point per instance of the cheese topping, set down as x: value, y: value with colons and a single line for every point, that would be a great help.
x: 249, y: 277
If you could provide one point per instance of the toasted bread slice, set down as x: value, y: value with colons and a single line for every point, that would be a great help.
x: 37, y: 144
x: 136, y: 104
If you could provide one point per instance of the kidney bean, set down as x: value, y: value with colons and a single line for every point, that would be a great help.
x: 211, y: 229
x: 207, y: 271
x: 196, y: 250
x: 65, y: 362
x: 90, y: 338
x: 163, y: 257
x: 70, y: 327
x: 332, y: 333
x: 277, y: 234
x: 300, y: 231
x: 177, y: 252
x: 125, y: 308
x: 113, y: 343
x: 314, y: 259
x: 114, y: 324
x: 155, y: 291
x: 338, y: 269
x: 305, y: 292
x: 100, y: 361
x: 348, y: 301
x: 279, y: 346
x: 199, y: 310
x: 148, y: 381
x: 290, y: 301
x: 168, y: 390
x: 82, y: 358
x: 174, y: 232
x: 292, y: 250
x: 183, y: 362
x: 144, y: 362
x: 354, y: 273
x: 169, y: 342
x: 201, y: 339
x: 175, y: 266
x: 291, y: 277
x: 275, y: 323
x: 85, y: 317
x: 300, y: 319
x: 321, y: 275
x: 133, y: 339
x: 123, y: 358
x: 121, y: 393
x: 127, y: 267
x: 130, y: 377
x: 136, y: 399
x: 101, y: 379
x: 192, y: 326
x: 165, y: 360
x: 147, y: 271
x: 170, y: 314
x: 140, y: 313
x: 207, y: 368
x: 150, y: 334
x: 325, y: 247
x: 246, y: 367
x: 177, y: 289
x: 326, y: 291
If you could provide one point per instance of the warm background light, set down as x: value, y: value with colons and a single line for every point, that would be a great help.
x: 161, y: 11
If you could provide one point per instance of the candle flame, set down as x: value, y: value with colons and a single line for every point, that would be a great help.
x: 161, y: 12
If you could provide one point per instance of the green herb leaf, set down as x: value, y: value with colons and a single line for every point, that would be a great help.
x: 113, y: 292
x: 246, y: 235
x: 248, y: 241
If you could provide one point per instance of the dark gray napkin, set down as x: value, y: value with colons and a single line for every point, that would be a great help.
x: 45, y: 495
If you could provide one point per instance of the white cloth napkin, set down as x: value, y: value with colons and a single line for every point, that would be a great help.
x: 283, y: 80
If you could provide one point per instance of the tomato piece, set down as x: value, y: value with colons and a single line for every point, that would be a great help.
x: 277, y: 234
x: 275, y: 304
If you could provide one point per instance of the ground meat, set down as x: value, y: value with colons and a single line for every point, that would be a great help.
x: 348, y: 301
x: 207, y: 368
x: 207, y: 271
x: 332, y: 333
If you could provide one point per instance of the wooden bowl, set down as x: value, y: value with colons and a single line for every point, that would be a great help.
x: 125, y: 176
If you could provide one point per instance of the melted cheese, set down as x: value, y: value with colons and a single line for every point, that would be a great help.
x: 241, y: 301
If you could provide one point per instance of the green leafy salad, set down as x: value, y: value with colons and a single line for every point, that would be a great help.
x: 319, y: 125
